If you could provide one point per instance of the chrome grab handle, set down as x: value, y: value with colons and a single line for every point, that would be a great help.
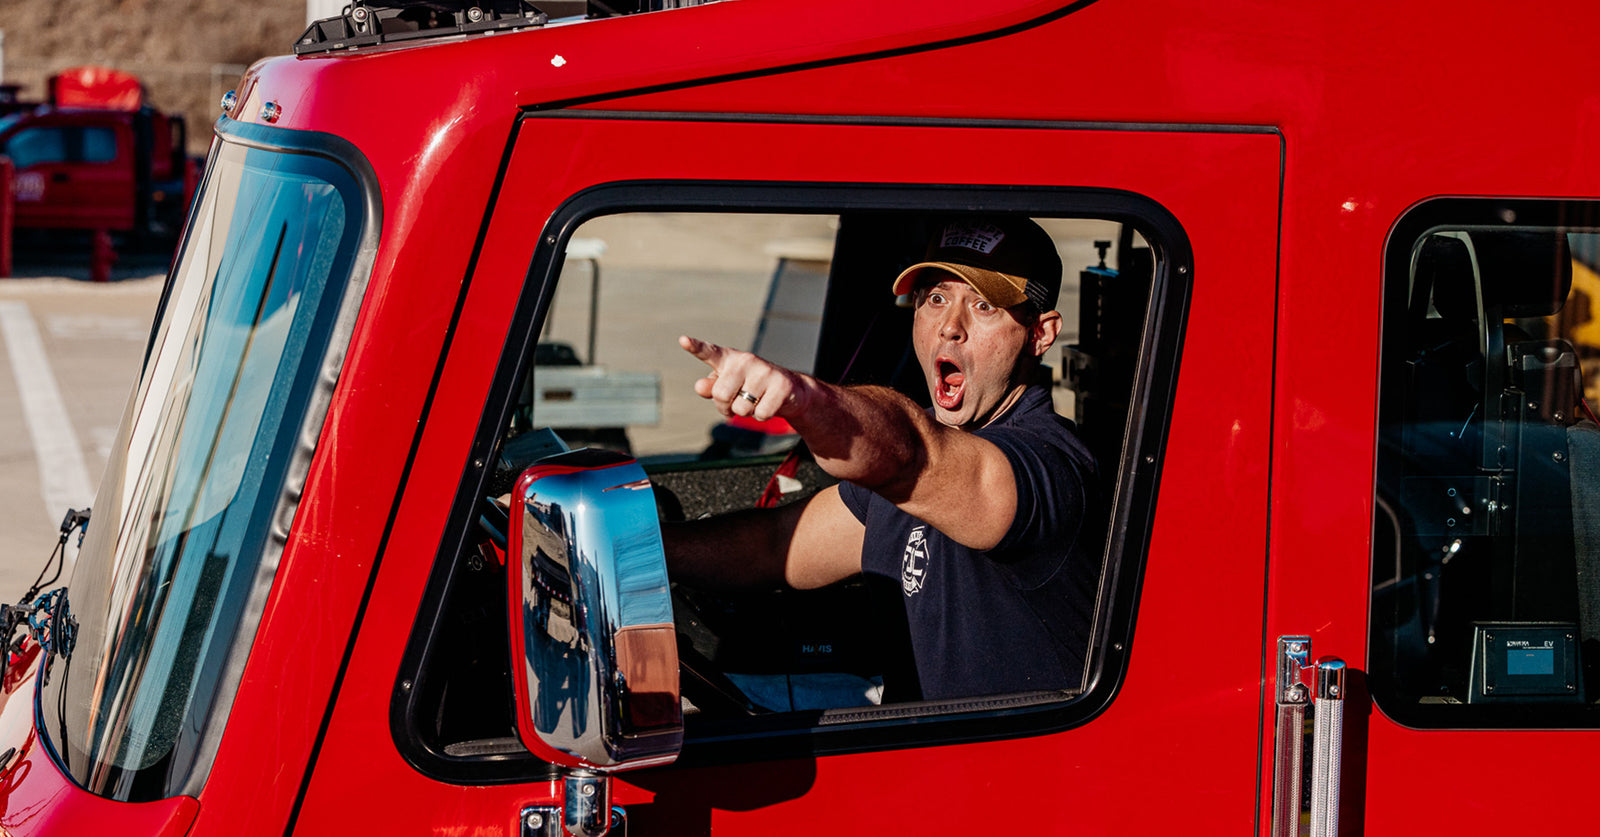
x: 1327, y: 747
x: 1294, y: 652
x: 1326, y: 701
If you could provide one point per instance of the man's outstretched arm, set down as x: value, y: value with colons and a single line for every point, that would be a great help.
x: 803, y: 545
x: 875, y: 437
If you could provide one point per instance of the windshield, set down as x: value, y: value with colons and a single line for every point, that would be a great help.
x: 192, y: 511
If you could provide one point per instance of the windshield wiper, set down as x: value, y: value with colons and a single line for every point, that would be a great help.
x: 48, y: 617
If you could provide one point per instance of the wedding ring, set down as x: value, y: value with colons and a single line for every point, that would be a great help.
x: 745, y: 394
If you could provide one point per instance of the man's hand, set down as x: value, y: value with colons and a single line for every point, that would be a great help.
x: 875, y: 437
x: 802, y: 545
x: 742, y: 384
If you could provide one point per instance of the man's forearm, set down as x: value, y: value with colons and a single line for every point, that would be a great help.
x: 804, y: 545
x: 872, y: 436
x: 740, y: 551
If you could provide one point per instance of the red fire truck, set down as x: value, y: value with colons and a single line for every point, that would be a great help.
x: 98, y: 157
x: 343, y: 575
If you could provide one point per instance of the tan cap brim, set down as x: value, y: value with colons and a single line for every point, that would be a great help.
x: 1001, y: 289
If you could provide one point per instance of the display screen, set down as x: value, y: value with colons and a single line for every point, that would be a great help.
x: 1530, y: 661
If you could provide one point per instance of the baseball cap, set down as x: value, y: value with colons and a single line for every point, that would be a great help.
x: 1008, y: 260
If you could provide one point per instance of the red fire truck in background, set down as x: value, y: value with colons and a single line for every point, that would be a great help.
x: 346, y: 574
x: 97, y: 156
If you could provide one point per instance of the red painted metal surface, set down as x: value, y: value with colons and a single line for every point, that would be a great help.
x: 36, y: 798
x: 1267, y: 481
x: 1218, y: 449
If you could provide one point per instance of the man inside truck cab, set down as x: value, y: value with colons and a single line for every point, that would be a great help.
x: 981, y: 507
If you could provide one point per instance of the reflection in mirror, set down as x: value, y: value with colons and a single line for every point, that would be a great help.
x: 594, y: 653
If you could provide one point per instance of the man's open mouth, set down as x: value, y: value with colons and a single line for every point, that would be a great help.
x: 947, y: 390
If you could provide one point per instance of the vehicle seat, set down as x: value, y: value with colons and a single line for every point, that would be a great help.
x: 1444, y: 382
x: 1532, y: 388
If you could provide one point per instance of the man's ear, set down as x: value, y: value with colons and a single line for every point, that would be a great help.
x: 1044, y: 331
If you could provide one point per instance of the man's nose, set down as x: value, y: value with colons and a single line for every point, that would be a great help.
x: 953, y: 326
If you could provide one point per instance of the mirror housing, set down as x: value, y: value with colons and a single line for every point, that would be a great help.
x: 594, y: 651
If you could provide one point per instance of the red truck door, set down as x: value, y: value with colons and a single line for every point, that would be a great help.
x: 1445, y: 553
x: 74, y: 171
x: 1179, y: 415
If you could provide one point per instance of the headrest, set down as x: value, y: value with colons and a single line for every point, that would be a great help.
x: 1524, y: 274
x: 1444, y: 268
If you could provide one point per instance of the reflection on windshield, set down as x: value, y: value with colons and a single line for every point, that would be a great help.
x: 197, y: 471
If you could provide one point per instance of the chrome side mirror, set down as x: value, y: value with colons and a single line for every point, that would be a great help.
x: 594, y: 651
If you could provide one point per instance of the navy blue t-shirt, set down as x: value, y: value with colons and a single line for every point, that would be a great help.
x: 1015, y: 618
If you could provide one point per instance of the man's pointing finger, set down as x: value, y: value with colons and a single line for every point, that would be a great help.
x: 709, y: 353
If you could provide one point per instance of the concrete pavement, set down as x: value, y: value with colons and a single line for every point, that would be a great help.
x: 69, y: 353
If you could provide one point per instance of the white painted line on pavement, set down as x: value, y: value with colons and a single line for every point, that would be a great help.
x: 63, y: 476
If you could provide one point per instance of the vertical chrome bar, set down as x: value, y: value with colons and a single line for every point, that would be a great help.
x: 1288, y: 746
x: 1327, y: 747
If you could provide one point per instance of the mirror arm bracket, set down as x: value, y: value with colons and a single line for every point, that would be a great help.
x: 586, y: 806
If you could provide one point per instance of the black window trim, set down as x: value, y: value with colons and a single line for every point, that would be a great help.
x: 1138, y: 474
x: 1469, y: 213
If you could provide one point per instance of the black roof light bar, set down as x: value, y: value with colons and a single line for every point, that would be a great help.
x: 389, y: 21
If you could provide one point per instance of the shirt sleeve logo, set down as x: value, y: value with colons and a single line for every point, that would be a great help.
x: 914, y: 563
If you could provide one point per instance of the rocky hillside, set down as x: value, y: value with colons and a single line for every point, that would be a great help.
x: 189, y: 52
